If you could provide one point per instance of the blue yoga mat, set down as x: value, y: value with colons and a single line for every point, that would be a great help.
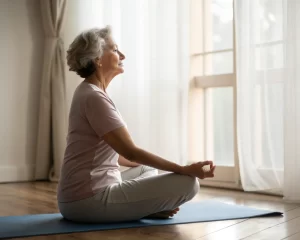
x: 191, y: 212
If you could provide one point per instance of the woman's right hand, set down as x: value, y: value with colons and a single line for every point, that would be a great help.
x: 196, y: 170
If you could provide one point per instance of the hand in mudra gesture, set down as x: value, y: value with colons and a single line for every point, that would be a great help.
x: 200, y: 170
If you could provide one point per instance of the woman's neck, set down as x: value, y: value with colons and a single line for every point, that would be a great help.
x: 98, y: 81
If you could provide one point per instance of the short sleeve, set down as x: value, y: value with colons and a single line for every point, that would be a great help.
x: 102, y: 114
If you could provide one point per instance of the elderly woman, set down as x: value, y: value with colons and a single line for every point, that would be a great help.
x: 91, y: 187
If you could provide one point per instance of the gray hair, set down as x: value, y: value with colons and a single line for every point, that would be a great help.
x: 85, y: 48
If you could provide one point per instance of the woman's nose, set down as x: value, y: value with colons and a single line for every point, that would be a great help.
x: 122, y: 56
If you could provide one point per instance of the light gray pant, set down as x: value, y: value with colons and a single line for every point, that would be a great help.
x: 141, y: 193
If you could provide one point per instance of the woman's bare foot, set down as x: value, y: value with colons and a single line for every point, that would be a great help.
x: 163, y: 214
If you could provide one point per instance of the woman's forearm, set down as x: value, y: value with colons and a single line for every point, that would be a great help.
x: 143, y: 157
x: 126, y: 163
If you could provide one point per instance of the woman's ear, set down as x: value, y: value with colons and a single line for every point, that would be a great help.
x: 98, y: 62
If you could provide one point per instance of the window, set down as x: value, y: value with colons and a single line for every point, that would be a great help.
x: 212, y: 112
x: 212, y: 127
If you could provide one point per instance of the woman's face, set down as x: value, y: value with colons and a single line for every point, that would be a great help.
x: 111, y: 59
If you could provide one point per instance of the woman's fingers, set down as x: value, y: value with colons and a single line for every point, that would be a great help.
x: 209, y: 173
x: 201, y: 169
x: 210, y: 163
x: 207, y: 163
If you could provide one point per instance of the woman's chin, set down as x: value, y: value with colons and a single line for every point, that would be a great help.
x: 118, y: 70
x: 121, y: 69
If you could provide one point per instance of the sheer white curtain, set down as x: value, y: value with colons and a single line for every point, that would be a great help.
x: 152, y: 93
x: 267, y: 87
x: 292, y: 104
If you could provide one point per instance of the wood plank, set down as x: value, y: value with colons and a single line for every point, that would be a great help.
x: 293, y: 237
x: 279, y: 231
x: 252, y: 226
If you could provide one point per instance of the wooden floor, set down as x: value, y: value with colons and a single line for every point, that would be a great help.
x: 40, y: 197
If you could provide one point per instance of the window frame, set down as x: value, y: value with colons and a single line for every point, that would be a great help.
x: 226, y: 176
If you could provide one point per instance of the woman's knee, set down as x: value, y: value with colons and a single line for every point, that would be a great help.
x: 190, y: 186
x: 195, y: 187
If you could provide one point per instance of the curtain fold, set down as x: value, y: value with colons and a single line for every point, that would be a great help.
x: 52, y: 112
x: 260, y: 65
x: 292, y: 104
x: 268, y: 102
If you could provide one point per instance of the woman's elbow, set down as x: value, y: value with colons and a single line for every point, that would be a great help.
x: 131, y: 154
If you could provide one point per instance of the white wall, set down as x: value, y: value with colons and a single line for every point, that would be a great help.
x: 21, y: 58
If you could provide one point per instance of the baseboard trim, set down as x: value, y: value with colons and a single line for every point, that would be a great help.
x: 19, y: 173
